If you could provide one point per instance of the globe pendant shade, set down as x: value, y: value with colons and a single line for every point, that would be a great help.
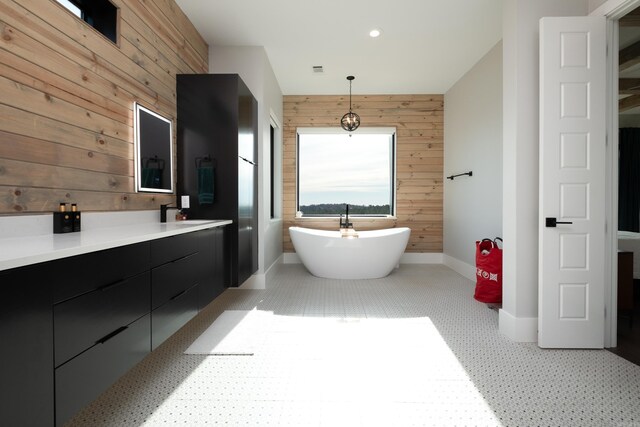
x: 350, y: 121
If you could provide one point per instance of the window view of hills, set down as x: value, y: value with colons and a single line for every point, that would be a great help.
x: 339, y: 208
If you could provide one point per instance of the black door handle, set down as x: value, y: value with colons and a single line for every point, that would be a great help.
x: 552, y: 222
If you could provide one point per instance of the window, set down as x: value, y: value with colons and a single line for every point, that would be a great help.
x: 272, y: 155
x: 100, y: 14
x: 72, y: 7
x: 336, y: 169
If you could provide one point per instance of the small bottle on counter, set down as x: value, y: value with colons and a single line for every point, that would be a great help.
x: 62, y: 221
x: 75, y: 213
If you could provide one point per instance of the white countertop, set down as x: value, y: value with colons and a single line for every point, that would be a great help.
x: 26, y: 250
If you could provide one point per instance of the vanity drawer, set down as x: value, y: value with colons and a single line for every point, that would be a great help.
x: 84, y: 273
x: 81, y: 380
x: 170, y: 317
x: 172, y: 248
x: 170, y: 279
x: 83, y: 321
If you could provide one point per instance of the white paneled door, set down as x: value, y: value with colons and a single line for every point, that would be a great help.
x: 572, y: 182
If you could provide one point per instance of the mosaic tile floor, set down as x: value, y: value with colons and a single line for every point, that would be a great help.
x: 413, y: 349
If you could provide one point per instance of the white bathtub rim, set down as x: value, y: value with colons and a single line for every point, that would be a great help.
x: 362, y: 234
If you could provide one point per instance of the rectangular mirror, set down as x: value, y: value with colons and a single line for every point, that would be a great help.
x: 154, y: 143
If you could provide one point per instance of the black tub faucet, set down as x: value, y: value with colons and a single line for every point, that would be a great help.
x: 346, y: 223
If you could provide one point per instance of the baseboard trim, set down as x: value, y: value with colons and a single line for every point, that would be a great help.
x: 421, y: 258
x: 460, y: 267
x: 291, y: 258
x: 518, y: 329
x: 260, y: 280
x: 273, y: 268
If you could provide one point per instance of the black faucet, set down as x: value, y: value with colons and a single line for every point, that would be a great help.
x: 346, y: 223
x: 163, y: 211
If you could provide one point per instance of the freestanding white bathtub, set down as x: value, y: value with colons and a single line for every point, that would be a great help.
x: 370, y: 256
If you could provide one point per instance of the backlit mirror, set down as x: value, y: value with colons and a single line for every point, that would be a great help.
x: 154, y: 162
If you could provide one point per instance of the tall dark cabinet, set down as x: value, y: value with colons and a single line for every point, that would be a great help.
x: 217, y: 128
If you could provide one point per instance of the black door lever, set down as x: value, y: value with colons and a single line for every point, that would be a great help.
x: 552, y: 222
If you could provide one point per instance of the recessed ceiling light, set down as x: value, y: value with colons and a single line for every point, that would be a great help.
x: 375, y: 33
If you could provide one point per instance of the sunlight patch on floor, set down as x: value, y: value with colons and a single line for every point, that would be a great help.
x: 339, y: 371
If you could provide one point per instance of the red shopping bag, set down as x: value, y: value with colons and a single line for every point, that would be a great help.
x: 488, y: 271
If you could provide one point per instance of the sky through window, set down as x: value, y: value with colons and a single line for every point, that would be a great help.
x: 335, y: 168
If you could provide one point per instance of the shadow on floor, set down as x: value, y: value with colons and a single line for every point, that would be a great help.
x: 629, y: 329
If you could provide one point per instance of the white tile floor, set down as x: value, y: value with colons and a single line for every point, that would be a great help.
x: 413, y: 349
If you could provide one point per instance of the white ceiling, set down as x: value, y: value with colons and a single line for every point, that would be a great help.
x: 425, y: 47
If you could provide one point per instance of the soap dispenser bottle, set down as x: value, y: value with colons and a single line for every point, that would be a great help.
x: 62, y: 221
x: 75, y: 214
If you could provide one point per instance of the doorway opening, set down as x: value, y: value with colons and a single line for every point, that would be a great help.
x: 628, y: 177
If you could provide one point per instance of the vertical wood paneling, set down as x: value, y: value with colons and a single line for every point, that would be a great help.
x: 419, y: 148
x: 66, y: 119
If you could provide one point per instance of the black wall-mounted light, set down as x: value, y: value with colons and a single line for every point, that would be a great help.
x: 351, y: 120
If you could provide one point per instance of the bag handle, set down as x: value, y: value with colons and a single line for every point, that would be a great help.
x: 495, y: 242
x: 488, y: 240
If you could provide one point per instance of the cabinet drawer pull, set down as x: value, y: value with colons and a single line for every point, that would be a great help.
x: 111, y: 285
x: 178, y: 295
x: 111, y: 335
x: 183, y: 257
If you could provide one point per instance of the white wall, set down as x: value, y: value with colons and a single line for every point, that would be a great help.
x: 272, y: 227
x: 594, y: 4
x: 253, y: 66
x: 608, y: 7
x: 519, y: 313
x: 473, y: 142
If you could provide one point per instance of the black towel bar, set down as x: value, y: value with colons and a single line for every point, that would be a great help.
x: 452, y: 177
x: 205, y: 161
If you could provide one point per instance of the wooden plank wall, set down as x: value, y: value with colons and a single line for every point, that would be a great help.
x: 66, y: 120
x: 420, y: 127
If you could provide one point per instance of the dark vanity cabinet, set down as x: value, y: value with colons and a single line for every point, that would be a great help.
x: 26, y: 358
x: 71, y: 327
x: 217, y: 129
x: 212, y: 265
x: 100, y: 322
x: 187, y: 274
x: 175, y: 282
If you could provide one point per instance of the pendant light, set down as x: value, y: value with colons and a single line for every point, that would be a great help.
x: 351, y: 120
